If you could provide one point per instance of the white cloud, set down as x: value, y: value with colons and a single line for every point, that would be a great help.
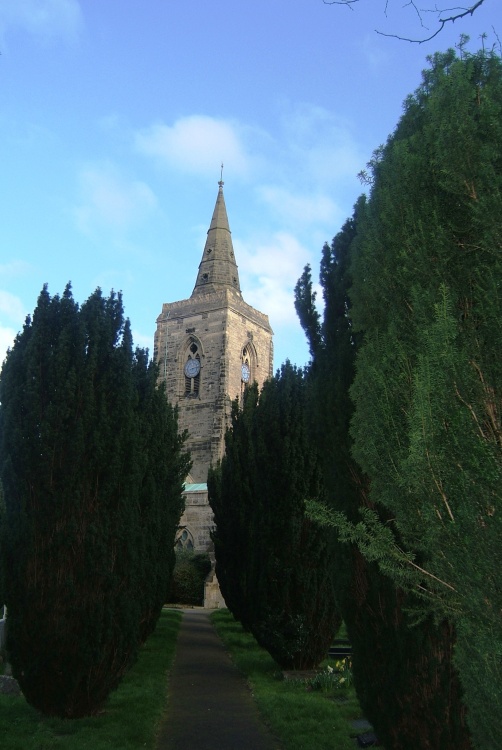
x: 111, y: 199
x: 340, y: 159
x: 14, y: 269
x: 110, y: 123
x: 299, y: 209
x: 12, y: 310
x: 305, y: 123
x: 375, y: 53
x: 44, y: 19
x: 11, y: 307
x: 312, y: 167
x: 268, y: 275
x: 7, y: 336
x: 321, y: 146
x: 197, y: 144
x: 311, y: 147
x: 117, y: 279
x: 143, y: 341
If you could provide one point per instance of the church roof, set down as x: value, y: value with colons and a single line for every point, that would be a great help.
x: 218, y: 269
x: 198, y: 487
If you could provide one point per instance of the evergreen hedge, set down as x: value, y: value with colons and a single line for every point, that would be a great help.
x: 404, y: 675
x: 190, y: 572
x: 92, y: 468
x: 423, y: 311
x: 273, y: 563
x: 427, y: 392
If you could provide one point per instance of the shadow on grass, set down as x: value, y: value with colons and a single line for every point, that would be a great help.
x: 302, y: 719
x: 131, y: 716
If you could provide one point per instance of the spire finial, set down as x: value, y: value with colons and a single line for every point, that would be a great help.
x: 221, y: 183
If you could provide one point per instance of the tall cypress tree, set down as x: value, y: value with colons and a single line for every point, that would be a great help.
x: 2, y: 543
x: 395, y: 666
x: 427, y: 391
x: 238, y: 558
x: 83, y: 500
x: 273, y: 563
x: 163, y: 468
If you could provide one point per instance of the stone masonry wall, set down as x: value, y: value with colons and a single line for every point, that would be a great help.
x: 221, y: 324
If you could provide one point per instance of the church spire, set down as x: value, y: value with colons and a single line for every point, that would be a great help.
x: 218, y: 269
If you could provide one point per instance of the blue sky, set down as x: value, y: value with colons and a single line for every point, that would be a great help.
x: 116, y: 115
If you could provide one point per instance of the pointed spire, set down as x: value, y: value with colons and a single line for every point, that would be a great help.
x: 218, y: 269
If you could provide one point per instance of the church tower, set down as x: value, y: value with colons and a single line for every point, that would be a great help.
x: 209, y: 347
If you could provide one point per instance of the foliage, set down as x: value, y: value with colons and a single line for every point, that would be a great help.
x: 394, y: 666
x: 273, y: 564
x: 92, y: 469
x: 331, y: 678
x: 2, y: 544
x: 131, y: 717
x: 190, y: 572
x: 426, y: 295
x: 301, y: 718
x: 378, y: 543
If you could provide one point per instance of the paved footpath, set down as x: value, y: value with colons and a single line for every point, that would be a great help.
x: 210, y: 706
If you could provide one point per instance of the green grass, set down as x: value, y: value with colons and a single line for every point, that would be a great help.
x: 130, y: 719
x: 301, y: 719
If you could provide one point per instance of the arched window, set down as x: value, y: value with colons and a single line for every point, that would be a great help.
x: 191, y: 370
x: 246, y: 366
x: 184, y: 540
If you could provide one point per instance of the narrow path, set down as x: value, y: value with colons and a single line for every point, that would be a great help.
x: 210, y: 706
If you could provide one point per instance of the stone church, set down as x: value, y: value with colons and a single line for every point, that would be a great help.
x: 209, y: 347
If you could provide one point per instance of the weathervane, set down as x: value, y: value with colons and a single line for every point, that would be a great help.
x: 221, y: 183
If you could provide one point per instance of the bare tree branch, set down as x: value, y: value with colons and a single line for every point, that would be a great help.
x: 442, y: 18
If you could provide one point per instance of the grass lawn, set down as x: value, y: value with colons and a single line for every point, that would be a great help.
x: 130, y: 718
x: 300, y: 718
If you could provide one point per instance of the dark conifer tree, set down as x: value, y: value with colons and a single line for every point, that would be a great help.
x: 91, y: 513
x: 427, y: 391
x: 274, y: 565
x: 238, y: 559
x: 163, y: 468
x: 394, y: 665
x: 2, y: 546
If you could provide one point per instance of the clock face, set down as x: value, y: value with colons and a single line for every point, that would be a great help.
x: 245, y: 373
x: 192, y: 368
